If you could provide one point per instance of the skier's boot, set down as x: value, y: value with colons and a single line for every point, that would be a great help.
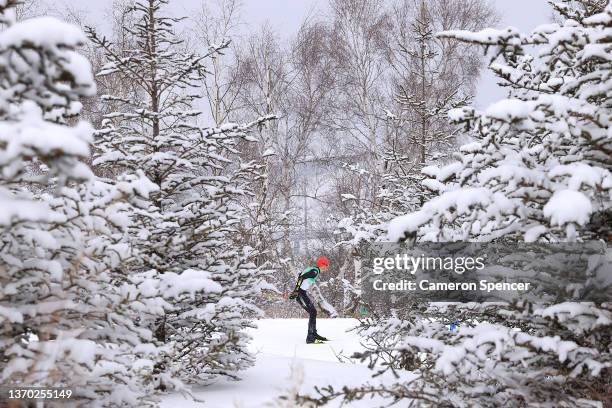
x: 314, y: 341
x: 318, y: 337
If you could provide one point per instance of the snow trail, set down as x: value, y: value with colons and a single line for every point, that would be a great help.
x: 279, y: 343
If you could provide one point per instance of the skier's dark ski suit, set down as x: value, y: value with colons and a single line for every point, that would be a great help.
x: 306, y: 279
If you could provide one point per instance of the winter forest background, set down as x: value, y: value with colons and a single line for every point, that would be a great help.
x: 163, y: 178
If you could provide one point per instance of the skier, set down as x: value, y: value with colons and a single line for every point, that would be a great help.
x: 304, y: 282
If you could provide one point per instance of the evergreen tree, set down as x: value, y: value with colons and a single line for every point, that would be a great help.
x: 187, y: 232
x: 65, y: 315
x: 539, y: 166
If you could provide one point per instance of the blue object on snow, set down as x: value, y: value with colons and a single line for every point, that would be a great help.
x: 452, y: 327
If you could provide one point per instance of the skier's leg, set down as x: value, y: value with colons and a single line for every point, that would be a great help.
x: 312, y: 317
x: 307, y: 305
x: 300, y: 299
x: 312, y: 321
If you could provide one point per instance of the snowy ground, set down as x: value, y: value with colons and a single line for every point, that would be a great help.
x: 279, y: 343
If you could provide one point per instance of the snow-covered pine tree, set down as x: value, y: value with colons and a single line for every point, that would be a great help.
x: 65, y: 319
x: 538, y: 170
x: 539, y: 165
x: 186, y: 235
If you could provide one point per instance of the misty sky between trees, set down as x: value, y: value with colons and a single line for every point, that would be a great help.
x: 284, y: 17
x: 164, y: 178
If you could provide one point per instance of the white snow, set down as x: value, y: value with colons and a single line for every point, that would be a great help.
x: 42, y: 31
x: 431, y: 171
x: 489, y: 36
x: 461, y: 201
x: 410, y: 222
x: 456, y: 114
x: 472, y: 147
x: 189, y: 281
x: 268, y: 152
x: 346, y: 197
x: 447, y: 171
x: 533, y: 233
x: 433, y: 185
x: 280, y: 344
x: 582, y: 173
x: 568, y: 206
x: 11, y: 208
x: 508, y: 109
x: 10, y: 314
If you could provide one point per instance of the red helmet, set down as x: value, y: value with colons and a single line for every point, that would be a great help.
x: 322, y: 261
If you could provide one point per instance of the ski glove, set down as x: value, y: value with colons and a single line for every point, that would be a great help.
x: 293, y: 295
